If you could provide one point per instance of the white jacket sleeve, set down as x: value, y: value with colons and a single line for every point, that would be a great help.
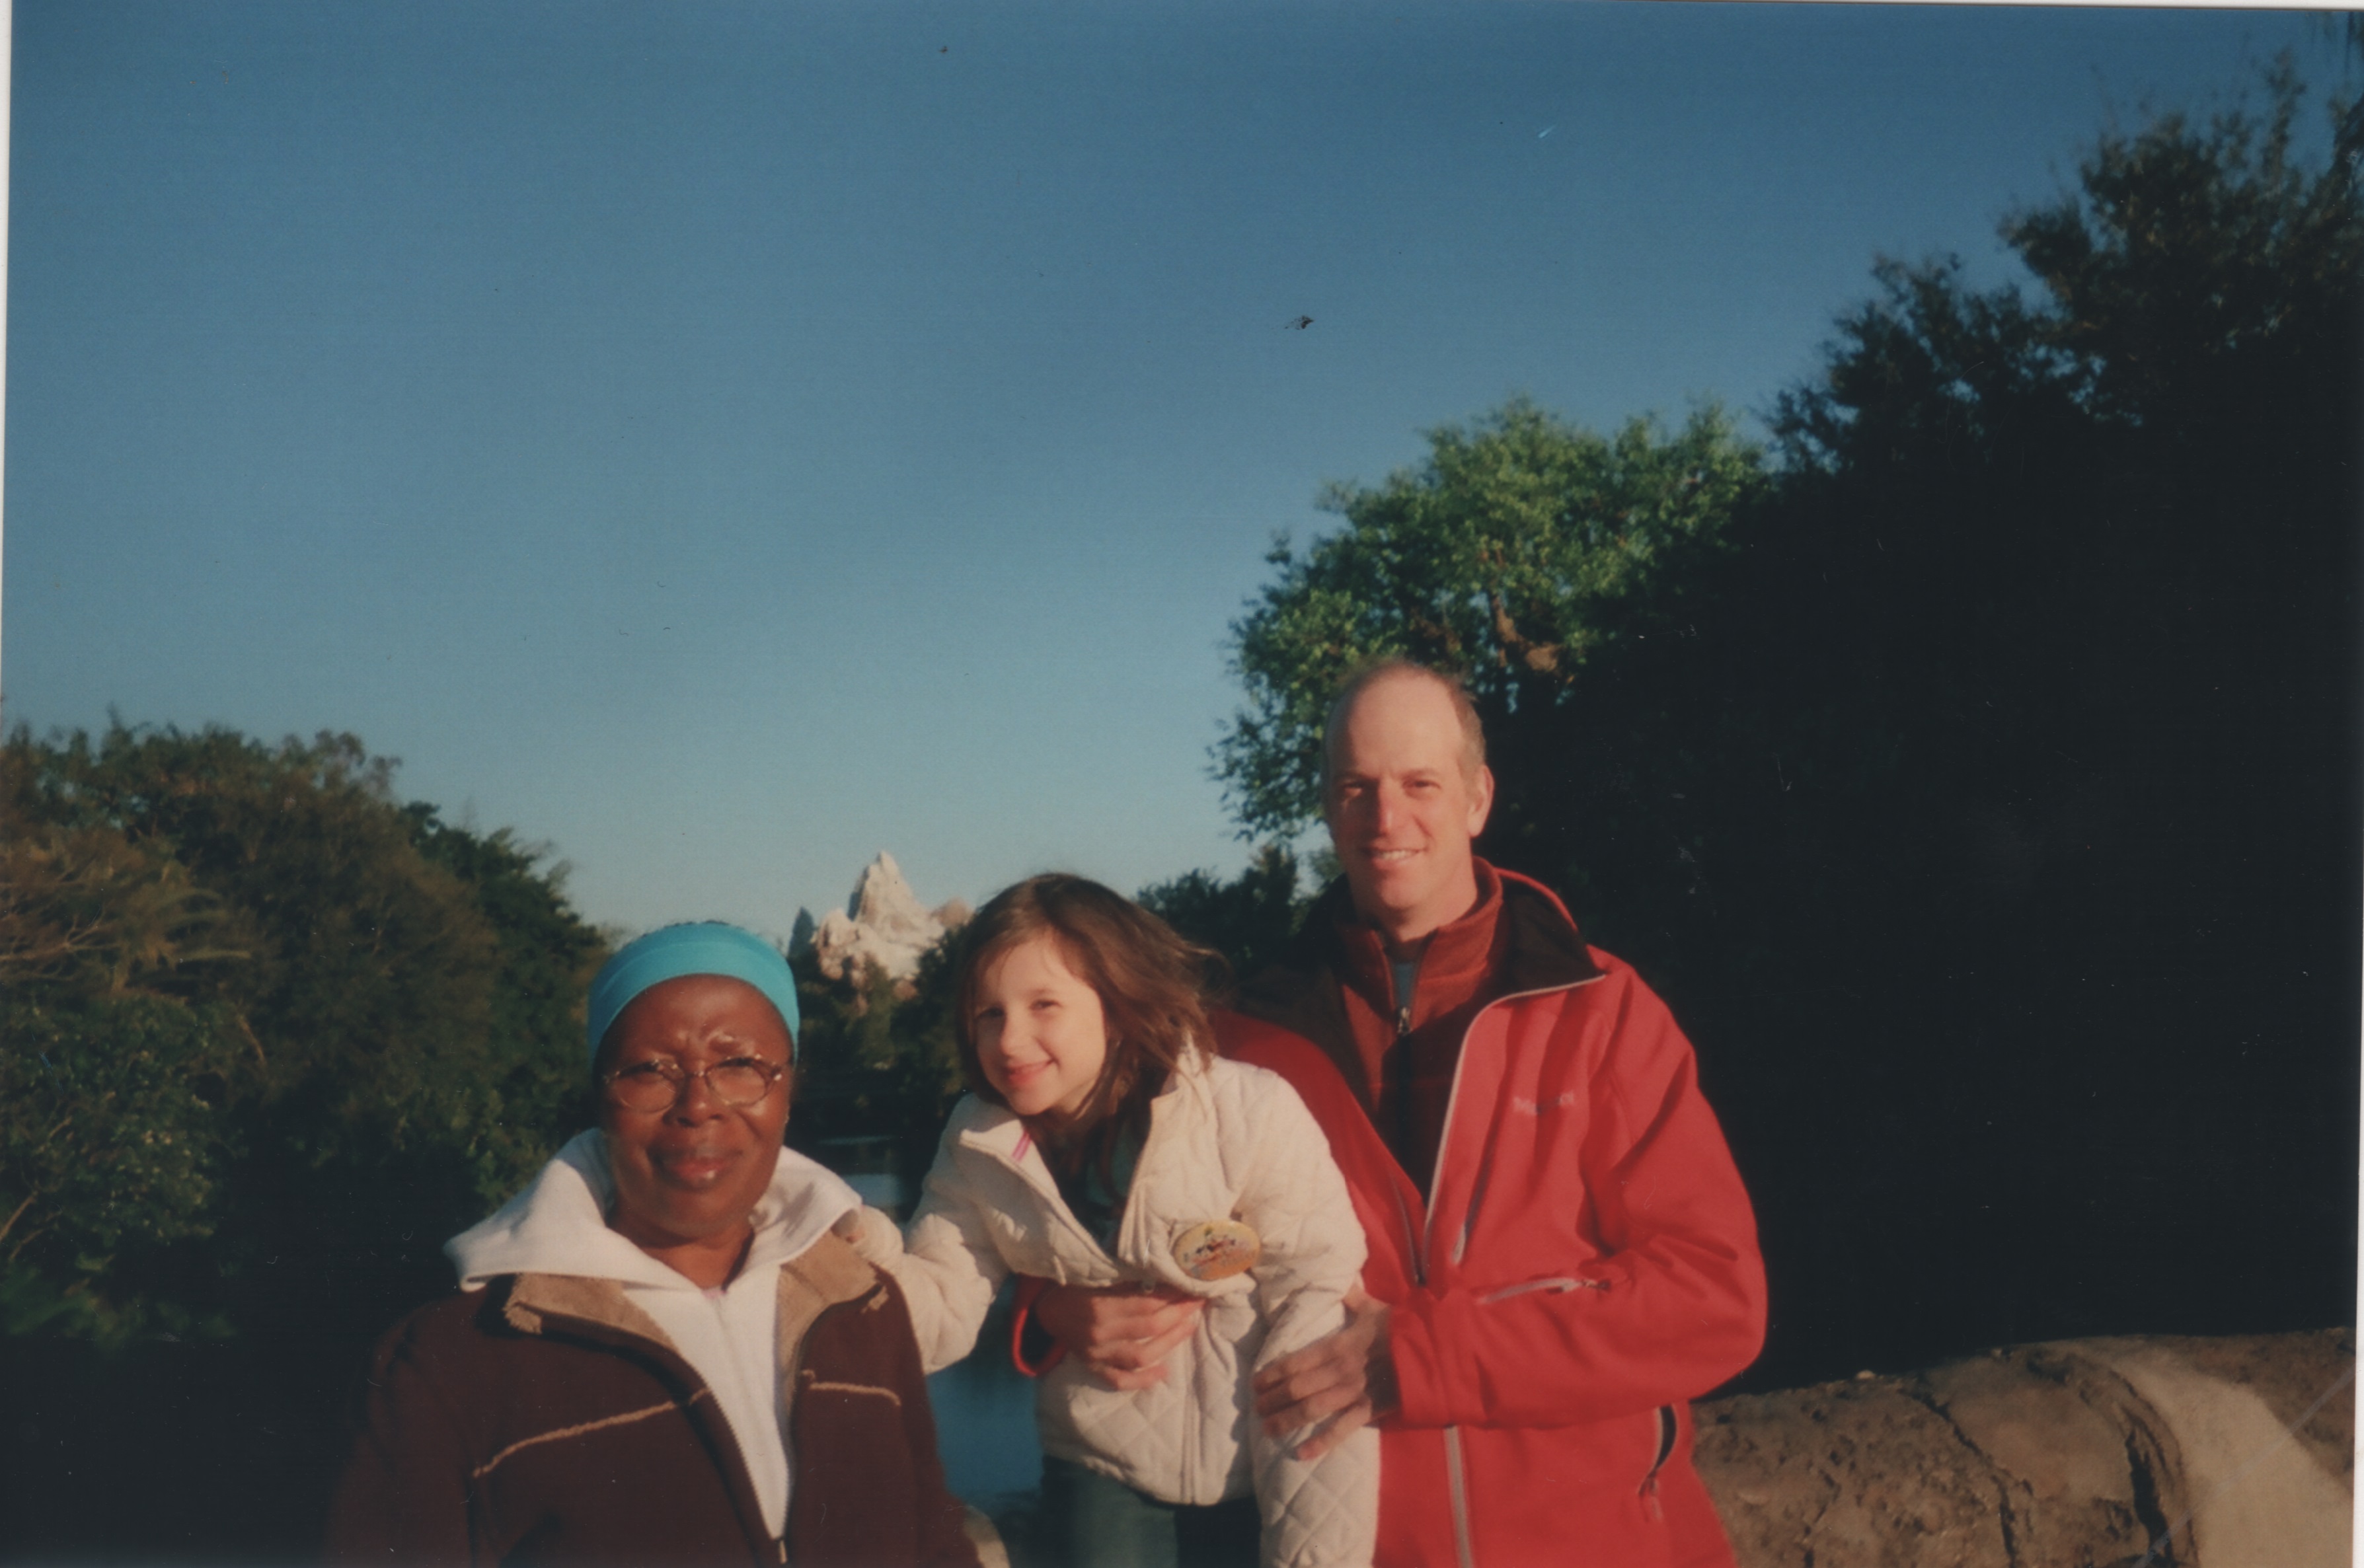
x: 946, y: 1263
x: 1323, y: 1515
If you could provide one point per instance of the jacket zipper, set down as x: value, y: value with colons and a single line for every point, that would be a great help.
x: 1048, y: 1188
x: 1456, y: 1481
x: 1016, y: 1160
x: 789, y: 1427
x: 1411, y: 1237
x: 616, y: 1338
x: 1452, y: 1099
x: 1463, y: 1551
x: 1665, y: 1451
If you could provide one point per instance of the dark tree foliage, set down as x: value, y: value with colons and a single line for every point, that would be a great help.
x: 355, y: 1025
x: 267, y: 1037
x: 544, y: 957
x: 1247, y: 920
x: 877, y: 1060
x: 2051, y: 648
x: 113, y: 1143
x: 1985, y: 800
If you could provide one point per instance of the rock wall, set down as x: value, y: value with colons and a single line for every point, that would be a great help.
x: 2085, y: 1454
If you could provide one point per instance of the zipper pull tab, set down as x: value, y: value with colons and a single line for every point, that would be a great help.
x: 1405, y: 985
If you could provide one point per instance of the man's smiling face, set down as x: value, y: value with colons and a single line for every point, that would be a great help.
x: 1403, y: 804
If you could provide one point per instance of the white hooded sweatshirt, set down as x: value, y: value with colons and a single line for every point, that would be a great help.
x: 559, y: 1226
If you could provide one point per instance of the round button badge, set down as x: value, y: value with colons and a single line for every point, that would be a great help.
x: 1217, y: 1249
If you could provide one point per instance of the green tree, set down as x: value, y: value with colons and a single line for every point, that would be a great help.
x: 113, y: 1140
x: 87, y: 909
x: 113, y: 1077
x: 544, y: 958
x: 380, y: 1014
x: 1521, y: 551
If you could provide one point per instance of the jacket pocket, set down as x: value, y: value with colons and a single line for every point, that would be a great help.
x: 1557, y: 1284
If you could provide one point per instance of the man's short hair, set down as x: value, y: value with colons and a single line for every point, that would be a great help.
x: 1465, y: 708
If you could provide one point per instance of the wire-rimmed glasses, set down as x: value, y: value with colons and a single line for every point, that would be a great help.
x: 657, y: 1081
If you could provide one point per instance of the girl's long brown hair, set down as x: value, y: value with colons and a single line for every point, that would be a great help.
x: 1151, y: 986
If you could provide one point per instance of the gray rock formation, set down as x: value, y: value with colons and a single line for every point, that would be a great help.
x: 2161, y: 1452
x: 883, y: 924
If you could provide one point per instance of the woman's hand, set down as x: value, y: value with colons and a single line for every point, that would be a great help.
x: 1347, y: 1380
x: 1122, y: 1334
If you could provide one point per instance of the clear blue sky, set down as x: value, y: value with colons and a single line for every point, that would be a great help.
x: 723, y: 440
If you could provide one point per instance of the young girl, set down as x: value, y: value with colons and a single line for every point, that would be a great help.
x: 1105, y: 1144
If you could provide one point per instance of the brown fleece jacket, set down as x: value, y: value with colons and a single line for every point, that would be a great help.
x: 546, y: 1419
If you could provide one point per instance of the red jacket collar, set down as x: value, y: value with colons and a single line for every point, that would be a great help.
x: 1520, y: 934
x: 1456, y: 962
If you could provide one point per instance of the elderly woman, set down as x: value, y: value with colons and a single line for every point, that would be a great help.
x: 662, y: 1351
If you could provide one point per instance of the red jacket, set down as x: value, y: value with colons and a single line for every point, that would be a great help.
x: 1586, y: 1266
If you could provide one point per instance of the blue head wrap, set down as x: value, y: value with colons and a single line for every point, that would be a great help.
x: 704, y: 947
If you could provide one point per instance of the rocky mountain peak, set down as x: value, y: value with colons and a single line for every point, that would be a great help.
x: 883, y: 923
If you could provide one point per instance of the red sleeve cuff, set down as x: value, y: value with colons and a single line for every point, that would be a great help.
x: 1053, y: 1352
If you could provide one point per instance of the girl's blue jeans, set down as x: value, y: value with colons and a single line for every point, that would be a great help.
x: 1090, y: 1522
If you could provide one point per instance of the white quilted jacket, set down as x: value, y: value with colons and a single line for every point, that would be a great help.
x: 1226, y: 1141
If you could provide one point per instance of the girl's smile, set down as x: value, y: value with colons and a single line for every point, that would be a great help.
x: 1041, y: 1037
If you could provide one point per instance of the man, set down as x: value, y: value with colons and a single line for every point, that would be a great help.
x: 1562, y: 1254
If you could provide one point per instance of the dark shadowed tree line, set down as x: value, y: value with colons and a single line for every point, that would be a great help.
x: 877, y: 1061
x: 246, y: 981
x: 1976, y: 771
x: 268, y: 1035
